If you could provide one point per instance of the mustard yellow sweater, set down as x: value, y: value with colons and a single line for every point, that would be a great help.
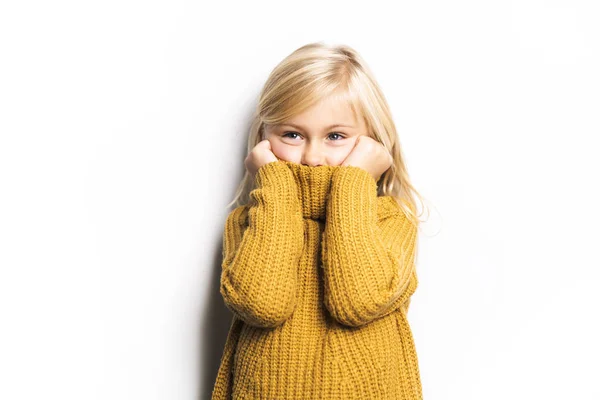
x: 318, y: 271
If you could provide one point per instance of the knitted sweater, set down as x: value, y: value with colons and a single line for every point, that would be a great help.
x: 318, y: 271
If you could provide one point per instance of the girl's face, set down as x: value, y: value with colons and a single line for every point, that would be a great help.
x: 323, y: 135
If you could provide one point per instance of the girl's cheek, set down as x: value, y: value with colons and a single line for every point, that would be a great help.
x: 338, y: 159
x: 281, y: 150
x: 341, y: 154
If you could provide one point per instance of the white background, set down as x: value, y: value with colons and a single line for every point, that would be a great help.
x: 123, y: 130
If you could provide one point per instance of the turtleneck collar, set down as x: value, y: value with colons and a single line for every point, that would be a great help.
x: 313, y: 187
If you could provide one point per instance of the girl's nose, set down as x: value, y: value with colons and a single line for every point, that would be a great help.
x: 313, y: 155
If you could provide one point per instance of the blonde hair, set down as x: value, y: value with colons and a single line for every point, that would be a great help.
x: 316, y: 71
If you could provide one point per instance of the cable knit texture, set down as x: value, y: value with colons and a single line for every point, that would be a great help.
x: 318, y: 272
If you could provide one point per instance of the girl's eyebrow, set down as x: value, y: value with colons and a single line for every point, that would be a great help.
x: 326, y: 128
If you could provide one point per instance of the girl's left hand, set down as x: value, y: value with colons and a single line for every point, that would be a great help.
x: 369, y: 155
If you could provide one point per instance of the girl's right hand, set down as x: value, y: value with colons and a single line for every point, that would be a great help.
x: 260, y: 155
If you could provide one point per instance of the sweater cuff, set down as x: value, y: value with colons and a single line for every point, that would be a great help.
x: 352, y: 181
x: 352, y: 201
x: 278, y: 177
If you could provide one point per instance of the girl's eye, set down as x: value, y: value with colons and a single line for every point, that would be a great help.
x: 336, y: 133
x: 288, y: 133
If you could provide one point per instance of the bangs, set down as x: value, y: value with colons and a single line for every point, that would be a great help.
x: 295, y: 102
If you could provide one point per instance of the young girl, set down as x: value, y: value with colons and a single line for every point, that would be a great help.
x: 319, y: 256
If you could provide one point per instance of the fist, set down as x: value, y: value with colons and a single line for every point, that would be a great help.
x: 369, y: 155
x: 260, y: 155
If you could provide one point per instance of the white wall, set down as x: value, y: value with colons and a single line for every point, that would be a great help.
x: 123, y: 133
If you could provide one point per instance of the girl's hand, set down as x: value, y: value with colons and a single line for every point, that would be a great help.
x: 369, y: 155
x: 260, y: 155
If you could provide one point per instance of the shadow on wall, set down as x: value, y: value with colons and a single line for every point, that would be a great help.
x: 216, y: 320
x: 214, y: 327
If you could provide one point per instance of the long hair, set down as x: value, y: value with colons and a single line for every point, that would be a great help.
x: 316, y: 71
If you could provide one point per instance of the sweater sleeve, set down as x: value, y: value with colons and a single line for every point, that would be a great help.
x: 262, y: 245
x: 368, y: 262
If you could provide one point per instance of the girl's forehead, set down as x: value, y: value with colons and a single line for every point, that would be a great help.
x: 331, y: 111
